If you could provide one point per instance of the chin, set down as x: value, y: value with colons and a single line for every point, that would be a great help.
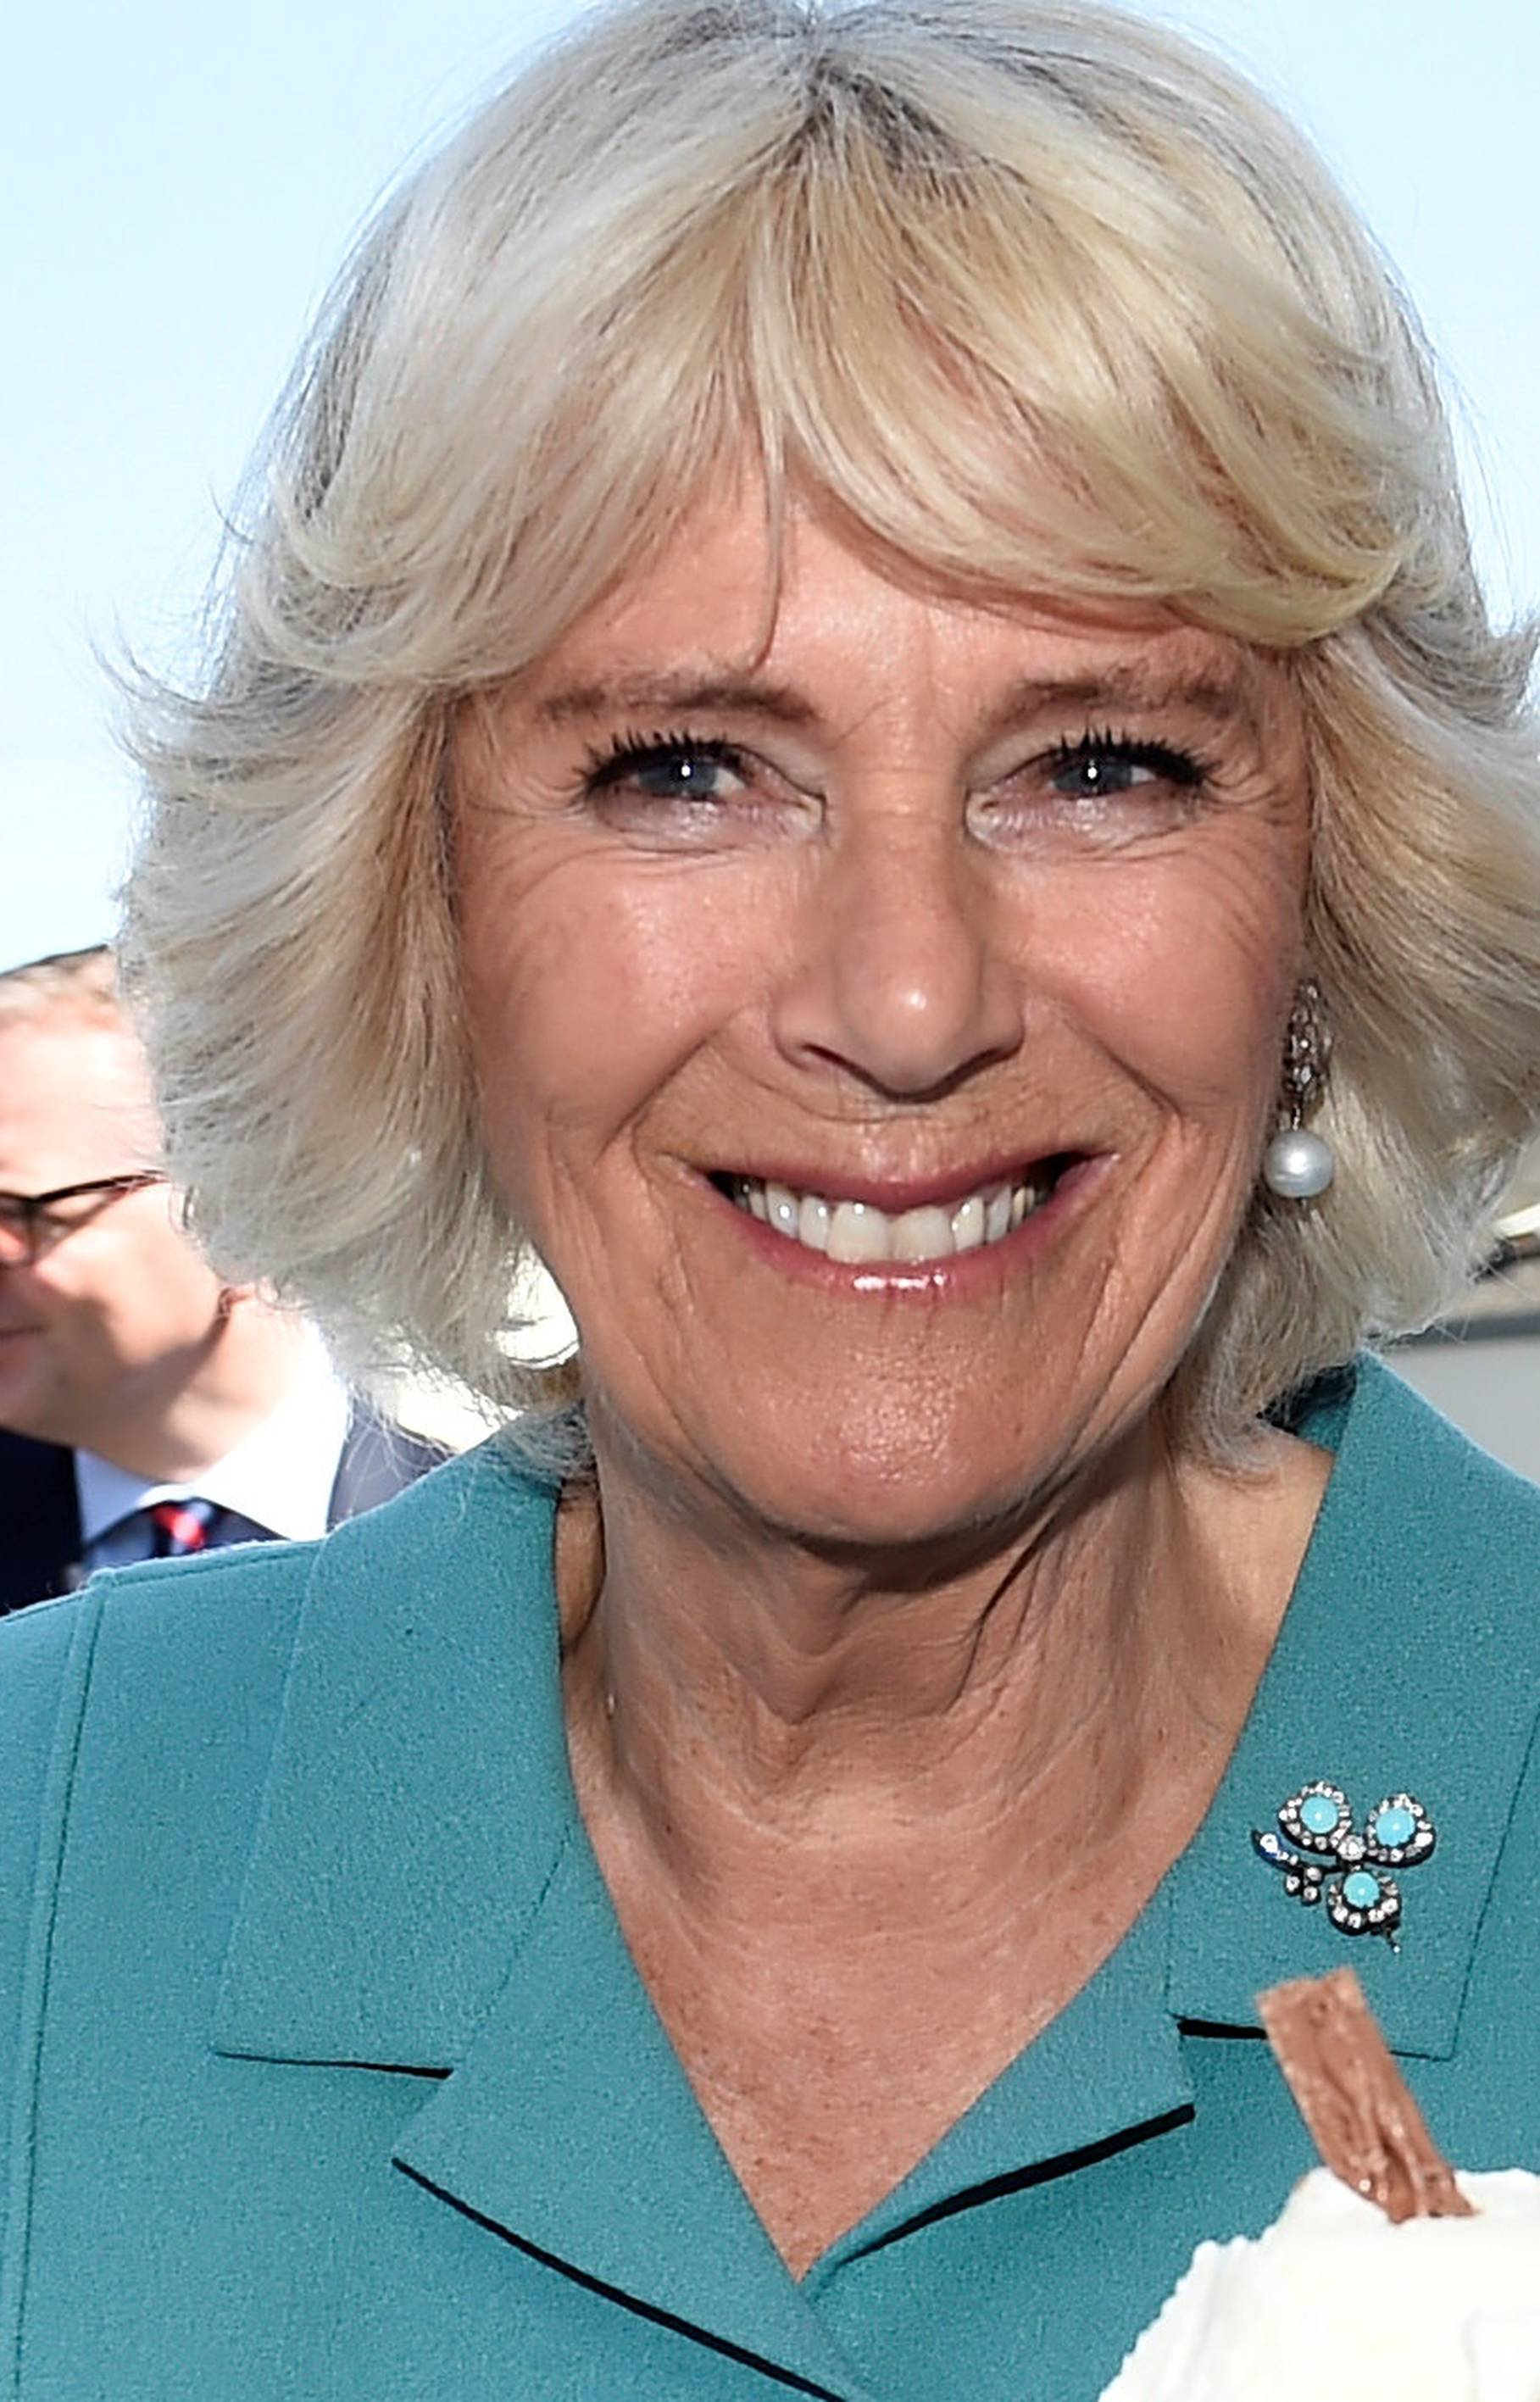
x: 891, y: 1497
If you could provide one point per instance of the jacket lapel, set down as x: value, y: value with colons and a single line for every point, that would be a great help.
x: 418, y: 1793
x: 1403, y: 1664
x: 570, y: 2125
x: 421, y: 1894
x: 1107, y: 2068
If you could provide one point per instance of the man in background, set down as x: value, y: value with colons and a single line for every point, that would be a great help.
x: 147, y: 1408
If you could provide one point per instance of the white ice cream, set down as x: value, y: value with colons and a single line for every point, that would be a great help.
x: 1337, y: 2303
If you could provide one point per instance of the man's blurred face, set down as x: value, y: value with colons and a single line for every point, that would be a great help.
x: 112, y: 1317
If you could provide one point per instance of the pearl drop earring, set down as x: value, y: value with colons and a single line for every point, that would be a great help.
x: 1297, y: 1165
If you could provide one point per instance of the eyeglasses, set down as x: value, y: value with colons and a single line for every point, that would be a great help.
x: 32, y: 1222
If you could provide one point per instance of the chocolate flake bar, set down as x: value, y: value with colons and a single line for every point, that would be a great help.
x: 1354, y: 2100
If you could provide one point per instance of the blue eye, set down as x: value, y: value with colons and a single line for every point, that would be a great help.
x: 1103, y: 767
x: 667, y: 769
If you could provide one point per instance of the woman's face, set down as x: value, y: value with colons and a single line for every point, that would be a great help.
x: 877, y: 1018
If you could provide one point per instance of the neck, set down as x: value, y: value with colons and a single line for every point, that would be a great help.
x: 1019, y: 1697
x: 208, y: 1402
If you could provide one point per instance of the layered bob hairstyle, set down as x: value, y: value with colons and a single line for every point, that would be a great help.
x: 1043, y: 300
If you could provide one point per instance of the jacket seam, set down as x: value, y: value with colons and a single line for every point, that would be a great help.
x: 54, y: 1817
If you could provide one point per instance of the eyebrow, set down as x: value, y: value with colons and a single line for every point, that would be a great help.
x: 1126, y: 685
x: 676, y: 695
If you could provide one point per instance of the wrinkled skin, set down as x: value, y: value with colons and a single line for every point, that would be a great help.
x: 904, y: 1647
x: 888, y: 950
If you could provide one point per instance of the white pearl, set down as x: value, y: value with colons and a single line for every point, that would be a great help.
x: 1297, y: 1165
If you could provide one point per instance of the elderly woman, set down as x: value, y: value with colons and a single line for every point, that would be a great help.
x: 857, y: 655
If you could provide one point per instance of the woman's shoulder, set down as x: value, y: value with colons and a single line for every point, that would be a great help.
x: 48, y: 1651
x: 170, y: 1641
x: 1402, y: 1468
x: 144, y: 1660
x: 147, y: 1720
x: 145, y: 1702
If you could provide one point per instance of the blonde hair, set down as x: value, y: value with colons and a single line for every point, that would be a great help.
x: 1040, y: 297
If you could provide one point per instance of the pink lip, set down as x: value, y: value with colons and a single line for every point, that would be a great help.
x: 966, y: 1276
x: 894, y: 1194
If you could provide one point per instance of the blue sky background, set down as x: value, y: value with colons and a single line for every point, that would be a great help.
x: 183, y: 179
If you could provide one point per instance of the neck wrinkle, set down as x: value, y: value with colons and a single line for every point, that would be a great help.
x: 730, y: 1708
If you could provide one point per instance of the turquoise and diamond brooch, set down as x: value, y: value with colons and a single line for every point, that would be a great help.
x: 1326, y: 1858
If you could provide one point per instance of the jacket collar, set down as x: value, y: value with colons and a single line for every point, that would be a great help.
x: 570, y: 2125
x: 418, y: 1793
x: 421, y: 1893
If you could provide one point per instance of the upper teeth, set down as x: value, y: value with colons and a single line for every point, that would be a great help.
x: 858, y: 1231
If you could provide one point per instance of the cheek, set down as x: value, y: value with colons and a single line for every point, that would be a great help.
x: 88, y: 1319
x: 71, y: 1280
x: 138, y: 1287
x: 1183, y: 970
x: 589, y: 984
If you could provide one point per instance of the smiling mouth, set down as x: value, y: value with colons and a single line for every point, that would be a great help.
x: 859, y: 1233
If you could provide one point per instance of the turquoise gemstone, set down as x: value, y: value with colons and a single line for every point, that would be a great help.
x: 1361, y: 1889
x: 1394, y: 1825
x: 1318, y: 1813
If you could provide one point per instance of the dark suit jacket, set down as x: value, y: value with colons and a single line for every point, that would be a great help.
x: 40, y: 1515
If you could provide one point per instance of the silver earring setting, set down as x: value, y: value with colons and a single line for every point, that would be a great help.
x: 1299, y: 1165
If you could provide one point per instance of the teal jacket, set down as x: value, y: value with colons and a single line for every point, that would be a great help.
x: 330, y: 2077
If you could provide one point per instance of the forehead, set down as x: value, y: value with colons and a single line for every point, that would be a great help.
x: 722, y: 611
x: 75, y: 1101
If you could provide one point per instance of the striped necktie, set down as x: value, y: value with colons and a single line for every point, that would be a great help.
x: 177, y: 1527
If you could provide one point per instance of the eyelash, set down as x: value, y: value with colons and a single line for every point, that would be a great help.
x: 625, y: 753
x: 1182, y: 768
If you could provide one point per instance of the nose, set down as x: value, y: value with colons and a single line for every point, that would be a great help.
x: 902, y: 981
